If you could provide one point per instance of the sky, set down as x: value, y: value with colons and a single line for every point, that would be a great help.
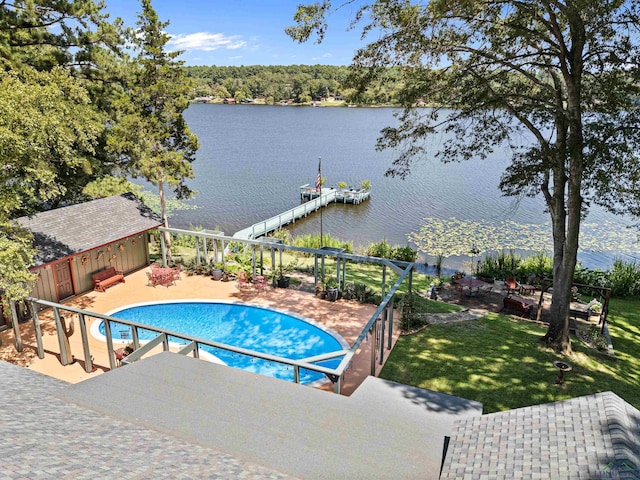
x: 244, y: 32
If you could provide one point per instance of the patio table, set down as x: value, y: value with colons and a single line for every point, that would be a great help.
x: 527, y: 289
x: 164, y: 275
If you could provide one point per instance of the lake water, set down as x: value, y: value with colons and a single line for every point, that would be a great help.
x: 253, y: 159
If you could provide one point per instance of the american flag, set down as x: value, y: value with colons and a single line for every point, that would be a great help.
x: 319, y: 178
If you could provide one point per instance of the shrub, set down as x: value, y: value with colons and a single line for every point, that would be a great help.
x: 405, y: 254
x: 282, y: 234
x: 360, y: 292
x: 313, y: 241
x: 410, y: 318
x: 380, y: 249
x: 625, y: 279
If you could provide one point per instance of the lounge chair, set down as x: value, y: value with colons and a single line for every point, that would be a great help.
x: 583, y: 310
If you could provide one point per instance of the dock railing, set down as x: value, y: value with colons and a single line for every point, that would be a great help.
x: 290, y: 216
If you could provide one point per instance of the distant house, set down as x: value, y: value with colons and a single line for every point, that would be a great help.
x: 229, y: 101
x: 75, y: 241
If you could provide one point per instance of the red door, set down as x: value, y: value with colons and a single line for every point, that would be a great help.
x: 64, y: 282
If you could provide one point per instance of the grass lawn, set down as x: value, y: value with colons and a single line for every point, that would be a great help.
x: 499, y: 361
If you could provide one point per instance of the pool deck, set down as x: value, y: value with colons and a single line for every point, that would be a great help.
x: 344, y: 317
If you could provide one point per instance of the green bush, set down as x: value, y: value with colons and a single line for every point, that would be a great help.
x: 313, y: 241
x: 509, y: 264
x: 624, y: 279
x: 384, y: 250
x: 360, y: 292
x: 282, y: 234
x: 379, y: 249
x: 411, y: 306
x: 405, y: 254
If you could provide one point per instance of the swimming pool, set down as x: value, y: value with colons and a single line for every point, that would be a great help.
x: 247, y: 326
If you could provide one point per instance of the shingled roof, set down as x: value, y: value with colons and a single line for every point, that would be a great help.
x: 70, y: 230
x: 590, y: 437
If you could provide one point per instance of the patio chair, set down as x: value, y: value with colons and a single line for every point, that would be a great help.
x: 243, y: 280
x: 260, y: 282
x: 153, y: 279
x: 511, y: 285
x: 176, y: 272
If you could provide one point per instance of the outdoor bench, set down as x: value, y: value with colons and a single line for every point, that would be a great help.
x: 520, y: 306
x: 106, y: 278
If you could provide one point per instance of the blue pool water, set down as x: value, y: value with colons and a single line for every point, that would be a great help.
x: 254, y: 328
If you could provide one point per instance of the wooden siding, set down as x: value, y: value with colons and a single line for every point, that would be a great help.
x: 45, y: 287
x: 126, y: 255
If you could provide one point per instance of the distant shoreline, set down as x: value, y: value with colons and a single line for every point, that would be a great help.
x: 318, y: 104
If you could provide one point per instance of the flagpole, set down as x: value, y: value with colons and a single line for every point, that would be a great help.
x: 319, y: 182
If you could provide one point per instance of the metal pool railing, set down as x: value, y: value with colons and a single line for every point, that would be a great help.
x: 193, y: 344
x: 380, y: 323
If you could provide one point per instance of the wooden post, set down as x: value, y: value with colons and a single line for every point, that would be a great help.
x: 63, y: 342
x: 315, y: 269
x: 253, y: 260
x: 16, y: 327
x: 605, y: 310
x: 88, y: 361
x: 163, y: 246
x: 36, y: 328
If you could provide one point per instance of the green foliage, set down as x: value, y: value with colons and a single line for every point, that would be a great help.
x: 342, y: 185
x: 194, y: 268
x: 380, y: 249
x: 452, y: 236
x: 151, y: 134
x: 282, y: 234
x: 16, y: 253
x: 313, y: 241
x: 410, y: 318
x: 405, y: 254
x: 48, y: 135
x: 360, y: 292
x: 274, y: 83
x: 624, y: 279
x: 520, y: 69
x: 109, y: 186
x: 365, y: 184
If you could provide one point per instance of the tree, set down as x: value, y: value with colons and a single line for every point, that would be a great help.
x: 561, y: 73
x: 151, y: 135
x: 72, y: 37
x: 50, y: 127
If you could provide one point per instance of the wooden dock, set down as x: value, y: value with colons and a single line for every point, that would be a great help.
x: 314, y: 201
x: 342, y: 195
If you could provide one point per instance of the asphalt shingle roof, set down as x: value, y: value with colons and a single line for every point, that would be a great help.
x: 70, y: 230
x: 590, y: 437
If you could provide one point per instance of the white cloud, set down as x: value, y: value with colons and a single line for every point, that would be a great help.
x: 206, y: 41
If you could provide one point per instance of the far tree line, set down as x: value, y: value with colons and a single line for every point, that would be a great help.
x: 295, y: 83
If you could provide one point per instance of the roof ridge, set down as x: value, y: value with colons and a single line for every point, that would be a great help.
x: 623, y: 423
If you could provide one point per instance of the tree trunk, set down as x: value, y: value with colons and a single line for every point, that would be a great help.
x: 566, y: 222
x: 165, y: 219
